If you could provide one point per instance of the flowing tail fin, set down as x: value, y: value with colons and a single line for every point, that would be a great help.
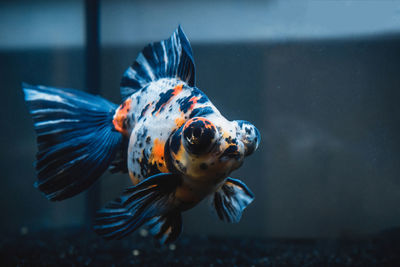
x: 76, y: 139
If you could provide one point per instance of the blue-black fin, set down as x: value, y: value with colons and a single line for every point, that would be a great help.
x: 171, y: 58
x: 231, y: 199
x: 167, y: 227
x: 150, y: 198
x: 120, y: 162
x: 76, y: 138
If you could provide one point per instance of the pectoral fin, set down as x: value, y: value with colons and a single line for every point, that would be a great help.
x: 151, y: 198
x: 231, y: 199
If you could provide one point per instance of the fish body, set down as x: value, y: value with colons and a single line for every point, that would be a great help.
x: 176, y: 146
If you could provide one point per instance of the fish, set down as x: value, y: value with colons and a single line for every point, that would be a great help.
x: 175, y: 145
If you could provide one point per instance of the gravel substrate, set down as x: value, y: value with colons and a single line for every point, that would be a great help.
x: 81, y: 247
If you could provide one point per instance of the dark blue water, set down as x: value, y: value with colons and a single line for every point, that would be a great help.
x: 328, y: 165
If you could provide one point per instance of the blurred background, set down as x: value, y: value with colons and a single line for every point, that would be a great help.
x: 320, y: 80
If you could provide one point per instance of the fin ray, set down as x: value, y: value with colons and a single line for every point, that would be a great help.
x: 167, y: 227
x: 76, y: 138
x: 231, y: 199
x: 138, y: 204
x: 171, y: 58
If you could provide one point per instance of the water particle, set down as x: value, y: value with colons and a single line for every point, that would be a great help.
x: 135, y: 252
x: 143, y: 232
x: 24, y: 230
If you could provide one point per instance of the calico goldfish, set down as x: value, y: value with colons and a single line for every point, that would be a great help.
x: 176, y: 146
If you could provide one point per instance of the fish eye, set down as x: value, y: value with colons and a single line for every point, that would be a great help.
x: 199, y: 135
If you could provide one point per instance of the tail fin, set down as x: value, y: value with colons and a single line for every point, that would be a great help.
x: 171, y: 58
x: 76, y: 138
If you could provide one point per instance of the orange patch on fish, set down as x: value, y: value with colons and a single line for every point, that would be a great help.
x: 157, y: 155
x: 177, y: 89
x: 120, y: 116
x: 208, y: 124
x: 179, y: 122
x: 194, y: 101
x: 134, y: 180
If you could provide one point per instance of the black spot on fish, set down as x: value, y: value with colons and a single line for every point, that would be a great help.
x: 185, y: 103
x: 144, y: 111
x: 248, y: 130
x: 168, y: 158
x: 201, y: 112
x: 144, y: 163
x: 231, y: 140
x: 152, y: 170
x: 164, y: 98
x: 231, y: 152
x: 203, y: 99
x: 144, y: 133
x: 176, y: 141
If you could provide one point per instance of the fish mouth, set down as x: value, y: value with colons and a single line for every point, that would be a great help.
x: 231, y: 152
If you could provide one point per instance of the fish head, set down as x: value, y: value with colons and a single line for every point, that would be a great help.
x: 211, y: 148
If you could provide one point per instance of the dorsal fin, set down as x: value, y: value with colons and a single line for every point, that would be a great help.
x: 171, y: 58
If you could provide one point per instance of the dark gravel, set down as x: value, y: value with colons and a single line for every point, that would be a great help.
x: 82, y: 247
